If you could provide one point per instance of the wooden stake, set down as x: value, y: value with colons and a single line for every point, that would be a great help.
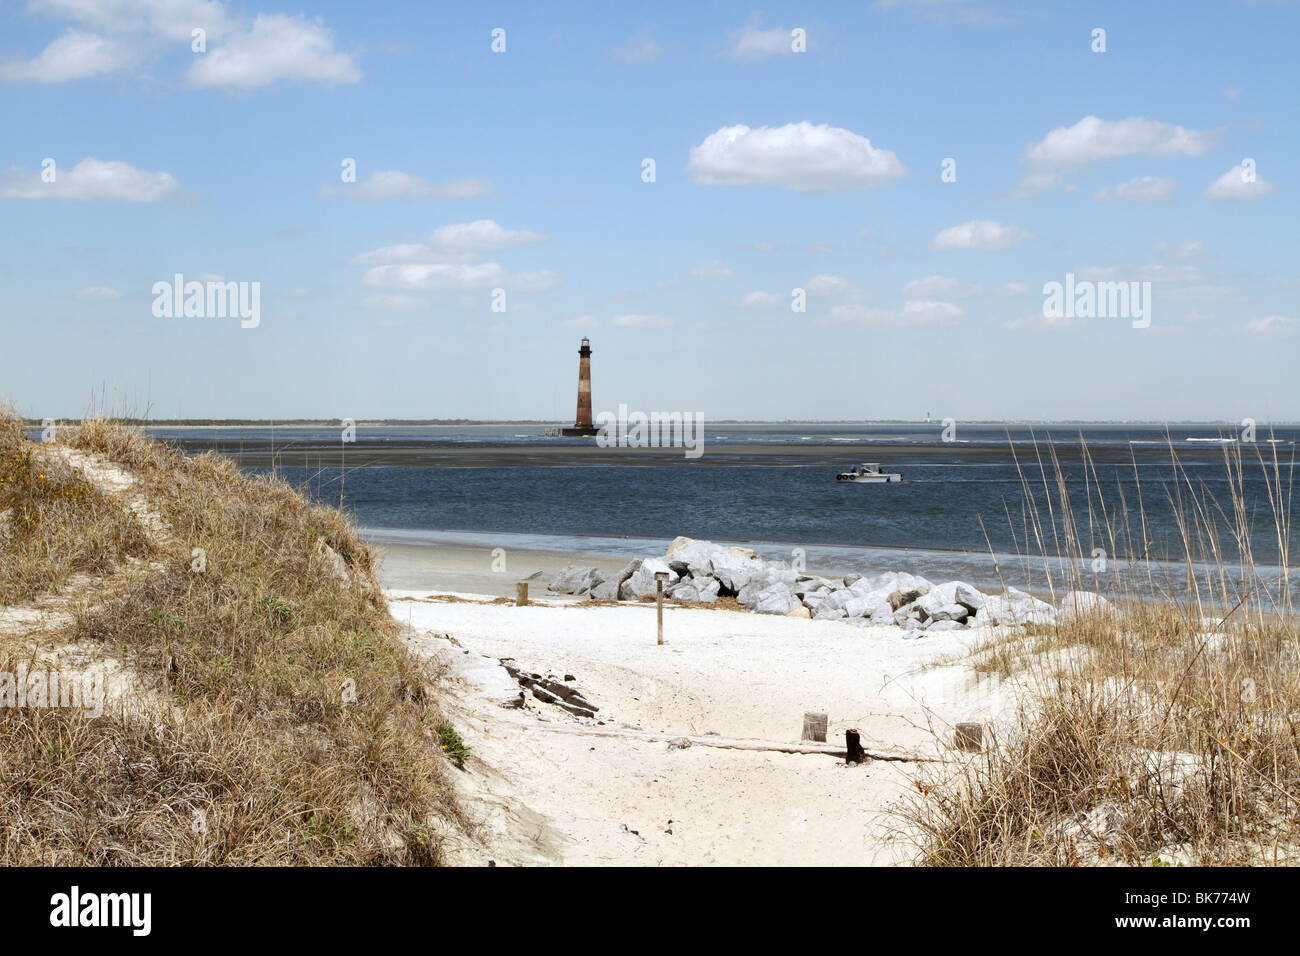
x: 521, y: 594
x: 853, y: 747
x: 969, y: 737
x: 659, y: 601
x: 814, y: 727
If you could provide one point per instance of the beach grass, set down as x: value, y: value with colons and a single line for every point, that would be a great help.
x: 1159, y: 730
x: 275, y: 716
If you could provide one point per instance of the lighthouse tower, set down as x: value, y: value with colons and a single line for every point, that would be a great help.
x: 582, y: 425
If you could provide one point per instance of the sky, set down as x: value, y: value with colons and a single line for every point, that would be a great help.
x: 671, y: 180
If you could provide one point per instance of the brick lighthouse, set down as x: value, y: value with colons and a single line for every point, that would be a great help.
x: 582, y: 425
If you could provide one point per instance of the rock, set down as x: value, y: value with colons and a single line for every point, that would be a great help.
x: 1083, y: 604
x: 851, y: 579
x: 748, y: 595
x: 604, y: 591
x: 951, y: 612
x: 733, y: 569
x: 951, y: 592
x: 806, y: 585
x: 575, y: 579
x: 707, y: 589
x: 776, y: 599
x: 689, y: 556
x: 827, y: 611
x: 679, y: 743
x: 945, y: 625
x: 800, y: 611
x: 684, y: 591
x: 641, y: 582
x: 1017, y: 607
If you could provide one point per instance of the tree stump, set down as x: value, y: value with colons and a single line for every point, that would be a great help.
x: 814, y: 727
x: 521, y: 594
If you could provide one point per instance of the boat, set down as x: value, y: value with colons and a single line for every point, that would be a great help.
x: 868, y: 471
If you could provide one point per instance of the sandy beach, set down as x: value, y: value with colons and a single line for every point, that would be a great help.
x: 553, y: 788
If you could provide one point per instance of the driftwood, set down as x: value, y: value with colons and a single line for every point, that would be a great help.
x: 727, y: 743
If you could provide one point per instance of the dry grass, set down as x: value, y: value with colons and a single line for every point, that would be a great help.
x: 1161, y: 731
x: 294, y: 728
x: 53, y: 523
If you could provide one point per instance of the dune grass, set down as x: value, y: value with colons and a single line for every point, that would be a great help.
x: 1161, y: 730
x: 288, y: 723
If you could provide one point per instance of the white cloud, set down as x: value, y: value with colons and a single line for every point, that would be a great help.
x: 397, y: 300
x: 1037, y: 322
x: 540, y: 281
x: 91, y: 179
x: 913, y: 313
x: 821, y: 248
x: 482, y: 235
x: 1092, y: 139
x: 798, y: 156
x: 393, y: 184
x: 1272, y: 325
x: 276, y: 47
x: 636, y: 321
x: 99, y: 292
x: 381, y: 185
x: 582, y: 322
x: 940, y: 287
x: 464, y: 188
x: 171, y: 19
x: 639, y: 48
x: 1013, y: 289
x: 75, y: 55
x: 1141, y: 189
x: 463, y: 241
x: 713, y: 270
x: 758, y: 299
x: 1190, y: 251
x: 755, y: 44
x: 983, y: 234
x: 1238, y: 183
x: 834, y: 287
x: 435, y: 276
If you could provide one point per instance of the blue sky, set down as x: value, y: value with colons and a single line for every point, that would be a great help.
x: 775, y: 170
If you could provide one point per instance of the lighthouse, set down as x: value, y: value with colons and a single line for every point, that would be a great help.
x: 582, y: 425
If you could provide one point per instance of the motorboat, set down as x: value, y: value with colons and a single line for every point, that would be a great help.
x: 868, y: 471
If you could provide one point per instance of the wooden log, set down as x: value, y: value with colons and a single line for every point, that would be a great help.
x: 814, y: 727
x: 853, y: 747
x: 521, y: 594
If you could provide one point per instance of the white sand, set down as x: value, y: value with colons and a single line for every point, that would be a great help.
x: 552, y: 793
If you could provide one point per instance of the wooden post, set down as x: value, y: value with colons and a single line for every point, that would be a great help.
x: 814, y: 727
x: 853, y: 746
x: 659, y: 602
x: 521, y: 594
x: 969, y: 737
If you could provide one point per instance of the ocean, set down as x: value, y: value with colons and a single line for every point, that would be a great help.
x: 961, y: 510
